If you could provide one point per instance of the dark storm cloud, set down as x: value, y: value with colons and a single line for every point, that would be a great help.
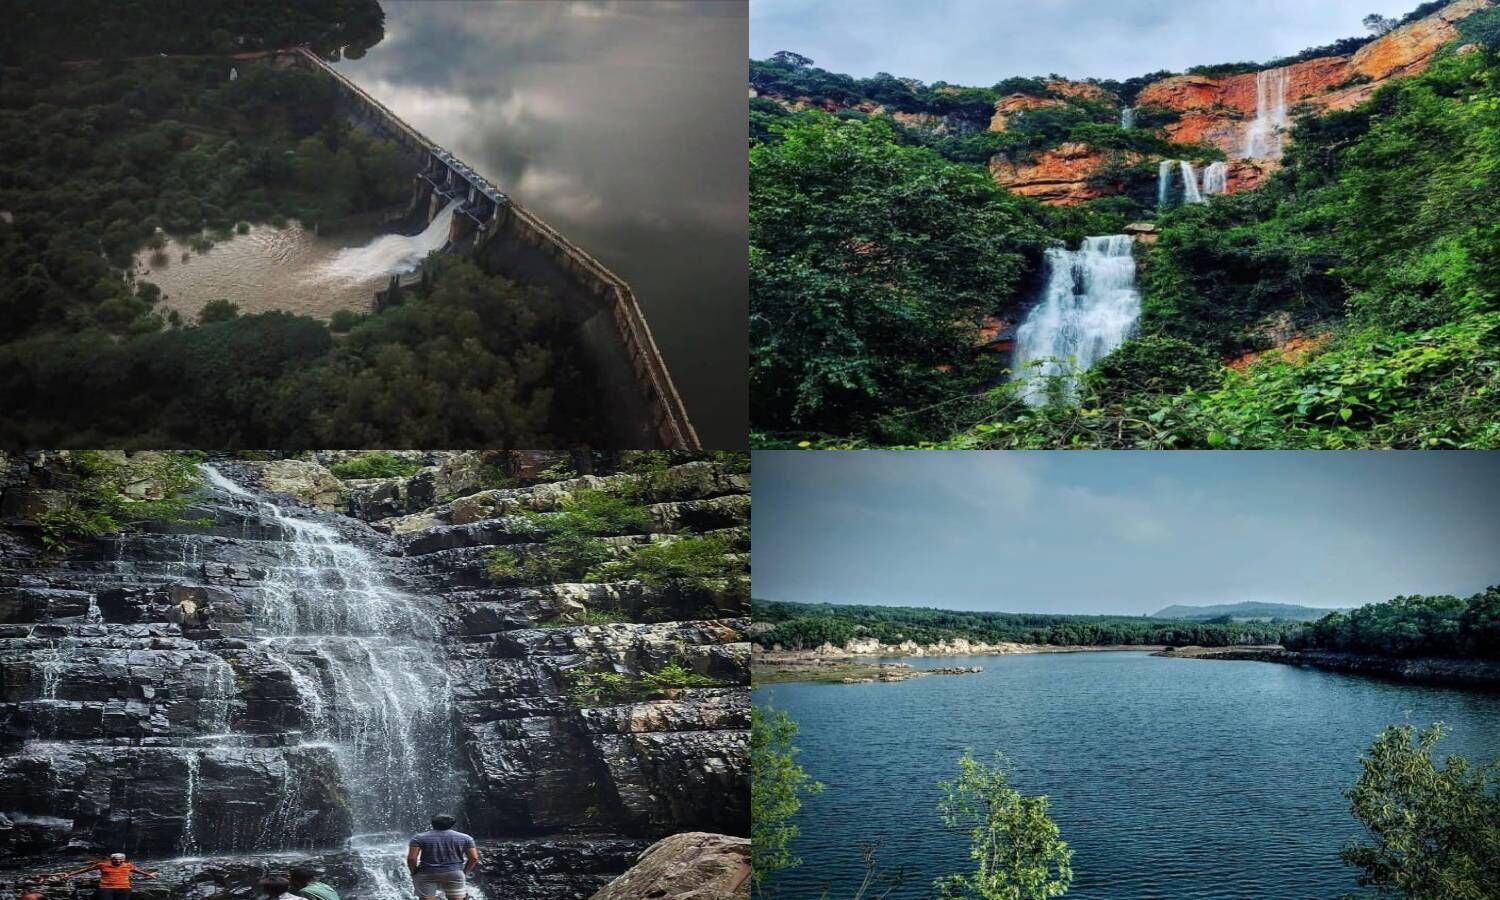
x: 979, y: 42
x: 1122, y: 532
x: 623, y: 124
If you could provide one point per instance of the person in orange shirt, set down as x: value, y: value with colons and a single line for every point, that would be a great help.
x: 114, y: 876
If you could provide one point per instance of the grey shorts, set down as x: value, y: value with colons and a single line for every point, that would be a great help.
x: 430, y: 884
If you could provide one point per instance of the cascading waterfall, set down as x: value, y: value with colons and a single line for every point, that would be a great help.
x: 389, y: 254
x: 1089, y: 307
x: 1127, y: 117
x: 1263, y: 134
x: 1163, y: 183
x: 1190, y: 191
x: 1216, y: 178
x: 365, y: 661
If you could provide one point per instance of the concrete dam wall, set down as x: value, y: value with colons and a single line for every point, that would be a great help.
x: 613, y: 335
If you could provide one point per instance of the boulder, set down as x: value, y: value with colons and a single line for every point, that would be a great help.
x: 693, y: 865
x: 308, y: 482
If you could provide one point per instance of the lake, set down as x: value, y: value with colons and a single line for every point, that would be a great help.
x: 620, y: 124
x: 1169, y: 778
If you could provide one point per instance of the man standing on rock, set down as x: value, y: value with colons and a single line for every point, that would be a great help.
x: 440, y: 859
x: 114, y: 876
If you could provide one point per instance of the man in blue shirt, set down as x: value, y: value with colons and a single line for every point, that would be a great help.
x: 440, y: 859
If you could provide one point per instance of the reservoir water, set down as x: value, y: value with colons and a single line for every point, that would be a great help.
x: 1169, y: 778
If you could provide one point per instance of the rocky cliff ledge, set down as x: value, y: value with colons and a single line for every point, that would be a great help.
x: 1462, y: 672
x: 146, y: 706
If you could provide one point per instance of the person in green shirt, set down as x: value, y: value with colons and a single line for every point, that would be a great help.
x: 305, y: 883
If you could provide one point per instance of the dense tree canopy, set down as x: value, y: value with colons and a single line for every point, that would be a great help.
x: 1410, y: 626
x: 122, y: 28
x: 803, y: 626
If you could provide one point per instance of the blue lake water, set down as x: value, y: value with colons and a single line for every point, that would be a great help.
x: 1170, y: 778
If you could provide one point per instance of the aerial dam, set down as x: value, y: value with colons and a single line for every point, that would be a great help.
x: 613, y: 335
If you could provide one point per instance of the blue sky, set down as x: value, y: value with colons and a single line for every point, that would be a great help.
x: 1122, y: 532
x: 979, y: 42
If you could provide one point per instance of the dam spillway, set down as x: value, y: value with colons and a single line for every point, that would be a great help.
x: 506, y: 239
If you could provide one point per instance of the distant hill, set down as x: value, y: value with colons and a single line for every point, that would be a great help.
x: 1289, y: 611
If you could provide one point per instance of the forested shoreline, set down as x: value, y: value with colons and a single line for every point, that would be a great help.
x: 805, y: 626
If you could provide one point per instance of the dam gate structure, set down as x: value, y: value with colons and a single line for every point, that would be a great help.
x: 613, y: 335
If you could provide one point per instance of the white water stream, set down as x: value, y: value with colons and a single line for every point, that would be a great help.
x: 1089, y: 307
x: 367, y: 666
x: 389, y: 254
x: 1263, y: 134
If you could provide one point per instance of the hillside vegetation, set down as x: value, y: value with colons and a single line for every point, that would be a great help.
x: 1375, y: 240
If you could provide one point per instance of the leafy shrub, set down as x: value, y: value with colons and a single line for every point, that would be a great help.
x: 674, y: 676
x: 375, y: 464
x: 1152, y: 364
x: 95, y: 501
x: 689, y: 567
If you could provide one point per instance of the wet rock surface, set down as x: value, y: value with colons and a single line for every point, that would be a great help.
x: 209, y: 747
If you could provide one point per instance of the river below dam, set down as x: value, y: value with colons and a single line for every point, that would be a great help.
x: 1168, y: 777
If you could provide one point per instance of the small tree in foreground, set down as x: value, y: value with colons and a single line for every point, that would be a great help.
x: 776, y: 790
x: 1017, y: 848
x: 1436, y: 831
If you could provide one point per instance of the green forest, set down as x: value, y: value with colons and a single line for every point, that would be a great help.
x: 125, y: 28
x: 804, y: 626
x: 101, y: 160
x: 1445, y: 626
x: 877, y: 248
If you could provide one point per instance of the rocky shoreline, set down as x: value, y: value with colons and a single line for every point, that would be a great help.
x: 849, y: 665
x: 1422, y: 670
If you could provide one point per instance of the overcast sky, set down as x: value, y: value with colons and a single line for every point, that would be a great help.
x: 979, y: 42
x: 1121, y: 532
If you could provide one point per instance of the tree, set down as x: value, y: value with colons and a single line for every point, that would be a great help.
x: 870, y: 266
x: 1017, y: 849
x: 788, y: 58
x: 1436, y: 831
x: 219, y: 310
x: 777, y: 787
x: 1379, y: 24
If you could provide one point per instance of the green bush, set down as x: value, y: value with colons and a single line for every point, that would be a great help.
x: 375, y: 464
x: 1152, y: 364
x: 95, y: 502
x: 673, y: 676
x: 689, y: 567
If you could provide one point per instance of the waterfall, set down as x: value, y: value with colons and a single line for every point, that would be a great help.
x: 1263, y: 134
x: 389, y: 254
x: 1088, y: 308
x: 1127, y: 117
x: 1190, y: 191
x: 1163, y: 183
x: 367, y: 666
x: 1216, y: 178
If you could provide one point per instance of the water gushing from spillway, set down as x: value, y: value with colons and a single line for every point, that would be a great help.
x: 365, y: 662
x: 1263, y: 134
x: 1089, y: 307
x: 390, y: 254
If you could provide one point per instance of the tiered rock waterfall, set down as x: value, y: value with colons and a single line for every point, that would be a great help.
x: 347, y: 684
x: 1089, y: 307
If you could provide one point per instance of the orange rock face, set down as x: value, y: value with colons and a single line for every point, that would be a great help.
x: 1291, y: 350
x: 1008, y: 106
x: 1060, y: 176
x: 1408, y: 50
